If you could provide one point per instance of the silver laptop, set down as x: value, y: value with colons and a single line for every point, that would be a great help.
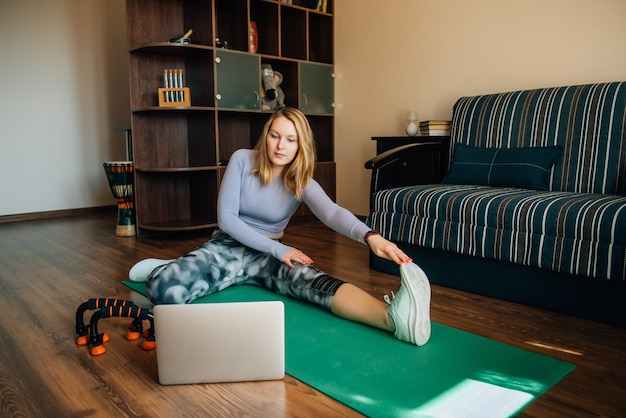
x: 220, y: 342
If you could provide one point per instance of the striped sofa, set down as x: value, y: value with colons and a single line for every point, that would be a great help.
x: 531, y: 206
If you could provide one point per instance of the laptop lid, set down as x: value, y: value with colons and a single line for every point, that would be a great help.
x: 220, y: 342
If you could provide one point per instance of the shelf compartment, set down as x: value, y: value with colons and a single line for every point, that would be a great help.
x: 293, y: 33
x: 159, y: 21
x: 289, y: 70
x: 177, y: 169
x: 147, y: 76
x: 242, y: 130
x: 231, y: 17
x: 323, y: 132
x: 238, y: 130
x: 265, y: 14
x: 173, y: 201
x: 321, y: 38
x: 174, y: 139
x: 325, y: 175
x: 179, y: 225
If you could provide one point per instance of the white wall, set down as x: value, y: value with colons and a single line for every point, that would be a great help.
x: 424, y: 54
x: 64, y: 84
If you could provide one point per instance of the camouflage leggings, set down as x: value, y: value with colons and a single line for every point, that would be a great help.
x: 222, y: 262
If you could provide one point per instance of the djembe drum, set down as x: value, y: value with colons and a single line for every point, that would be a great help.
x: 120, y: 176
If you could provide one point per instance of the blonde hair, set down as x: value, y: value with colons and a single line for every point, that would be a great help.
x: 298, y: 172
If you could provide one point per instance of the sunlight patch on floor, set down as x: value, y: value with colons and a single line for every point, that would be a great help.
x: 473, y: 398
x: 551, y: 347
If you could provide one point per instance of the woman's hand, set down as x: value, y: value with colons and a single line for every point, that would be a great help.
x: 387, y: 249
x: 298, y: 256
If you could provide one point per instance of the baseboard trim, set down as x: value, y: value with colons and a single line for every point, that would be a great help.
x: 55, y: 214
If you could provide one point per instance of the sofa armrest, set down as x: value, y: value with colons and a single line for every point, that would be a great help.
x: 408, y: 165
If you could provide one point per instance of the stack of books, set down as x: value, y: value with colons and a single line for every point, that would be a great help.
x: 435, y: 127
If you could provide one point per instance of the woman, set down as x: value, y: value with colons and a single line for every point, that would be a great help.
x: 260, y: 191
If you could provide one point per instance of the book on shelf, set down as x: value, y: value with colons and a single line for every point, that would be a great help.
x: 435, y: 132
x: 438, y: 123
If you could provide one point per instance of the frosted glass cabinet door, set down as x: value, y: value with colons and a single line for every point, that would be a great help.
x: 238, y: 80
x: 317, y: 89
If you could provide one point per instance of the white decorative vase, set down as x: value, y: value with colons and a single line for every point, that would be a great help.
x: 411, y: 129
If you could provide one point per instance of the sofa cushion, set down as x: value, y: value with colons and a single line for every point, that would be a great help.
x: 587, y: 121
x: 576, y: 233
x: 525, y: 167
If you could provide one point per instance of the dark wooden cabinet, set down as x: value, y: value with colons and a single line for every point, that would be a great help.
x: 180, y: 152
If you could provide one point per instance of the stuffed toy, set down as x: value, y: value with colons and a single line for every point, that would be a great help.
x: 274, y: 97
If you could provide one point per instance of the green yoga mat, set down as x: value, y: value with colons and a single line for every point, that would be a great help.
x: 456, y: 374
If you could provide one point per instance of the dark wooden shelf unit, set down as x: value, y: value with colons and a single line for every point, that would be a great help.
x: 180, y: 153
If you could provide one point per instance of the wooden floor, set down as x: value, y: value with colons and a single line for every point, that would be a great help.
x: 48, y: 267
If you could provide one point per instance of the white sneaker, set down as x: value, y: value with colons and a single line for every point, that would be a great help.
x: 140, y: 271
x: 409, y: 309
